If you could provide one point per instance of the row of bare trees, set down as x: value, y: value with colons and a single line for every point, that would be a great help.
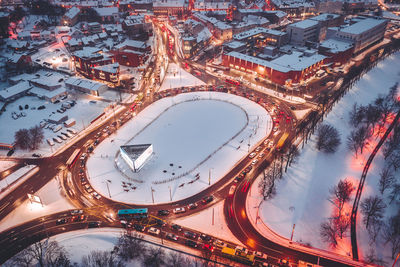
x: 282, y: 161
x: 130, y: 248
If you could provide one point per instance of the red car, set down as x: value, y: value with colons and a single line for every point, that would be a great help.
x: 208, y: 247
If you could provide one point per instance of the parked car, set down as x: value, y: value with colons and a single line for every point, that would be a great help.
x: 191, y: 243
x: 139, y: 227
x: 207, y: 199
x: 171, y: 236
x: 163, y: 212
x: 176, y: 227
x: 192, y: 206
x: 189, y: 234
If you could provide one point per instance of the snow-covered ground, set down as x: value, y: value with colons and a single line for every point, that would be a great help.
x: 191, y: 134
x: 177, y: 77
x: 6, y: 164
x: 210, y: 221
x: 52, y: 200
x: 302, y: 194
x: 10, y: 181
x: 35, y: 116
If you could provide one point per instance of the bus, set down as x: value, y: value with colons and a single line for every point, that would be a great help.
x: 281, y: 141
x: 129, y: 214
x: 237, y: 83
x: 238, y: 256
x: 73, y: 158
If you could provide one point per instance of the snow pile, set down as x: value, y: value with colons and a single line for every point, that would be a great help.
x: 177, y: 77
x: 193, y: 135
x: 302, y: 194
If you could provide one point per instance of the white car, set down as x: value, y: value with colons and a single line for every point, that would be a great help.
x: 260, y: 255
x: 179, y: 210
x: 153, y: 231
x: 252, y: 155
x: 242, y: 249
x: 254, y: 162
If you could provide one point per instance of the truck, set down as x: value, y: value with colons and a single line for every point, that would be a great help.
x: 282, y: 141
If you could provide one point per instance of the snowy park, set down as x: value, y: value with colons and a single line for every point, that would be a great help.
x: 196, y: 138
x: 303, y: 195
x: 177, y: 77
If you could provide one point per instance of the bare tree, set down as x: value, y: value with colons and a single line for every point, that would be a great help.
x: 372, y: 258
x: 328, y: 233
x: 394, y: 159
x: 175, y: 260
x: 391, y: 234
x: 372, y: 116
x: 154, y: 258
x: 356, y: 115
x: 22, y: 138
x: 292, y: 155
x: 36, y: 137
x: 267, y: 184
x: 130, y: 245
x: 23, y: 259
x: 394, y: 193
x: 393, y: 143
x: 328, y: 138
x: 386, y: 179
x: 341, y: 193
x: 358, y: 139
x: 101, y: 259
x: 341, y: 224
x: 372, y: 209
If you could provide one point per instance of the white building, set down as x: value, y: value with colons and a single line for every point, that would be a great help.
x: 86, y: 86
x: 301, y: 32
x: 136, y: 155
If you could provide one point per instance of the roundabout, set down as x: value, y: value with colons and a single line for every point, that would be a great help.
x: 220, y: 127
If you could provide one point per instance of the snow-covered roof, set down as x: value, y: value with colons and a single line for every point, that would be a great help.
x: 106, y: 11
x: 132, y: 43
x: 87, y: 52
x: 222, y: 25
x: 40, y: 92
x: 363, y: 26
x: 110, y: 68
x: 15, y: 90
x: 170, y: 3
x: 84, y: 83
x: 203, y: 4
x: 304, y: 24
x: 336, y: 46
x: 293, y: 62
x: 234, y: 44
x: 325, y: 17
x: 203, y: 35
x: 72, y: 12
x: 255, y: 31
x: 14, y: 58
x: 47, y: 79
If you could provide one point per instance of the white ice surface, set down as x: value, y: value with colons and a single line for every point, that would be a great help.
x: 184, y: 135
x: 302, y: 194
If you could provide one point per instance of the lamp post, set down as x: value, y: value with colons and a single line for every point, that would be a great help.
x: 152, y: 194
x: 170, y: 194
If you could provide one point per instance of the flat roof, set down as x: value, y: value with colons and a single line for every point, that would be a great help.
x: 325, y: 17
x: 304, y: 24
x: 84, y: 83
x: 336, y: 46
x: 110, y: 68
x: 363, y: 26
x: 134, y: 151
x: 15, y: 89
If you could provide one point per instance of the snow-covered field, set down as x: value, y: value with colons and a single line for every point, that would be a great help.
x: 52, y: 200
x: 302, y: 194
x: 6, y: 164
x: 191, y: 134
x: 177, y: 77
x: 34, y: 117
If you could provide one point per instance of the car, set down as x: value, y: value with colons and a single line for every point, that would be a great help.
x: 94, y: 224
x: 153, y: 231
x: 262, y: 154
x: 163, y: 212
x: 139, y: 227
x: 260, y: 255
x: 96, y: 142
x: 208, y: 247
x: 207, y: 199
x: 292, y: 107
x: 266, y: 142
x: 248, y: 168
x: 242, y: 249
x: 61, y: 221
x: 36, y: 155
x: 96, y: 195
x: 219, y: 243
x: 98, y: 135
x: 76, y: 212
x: 83, y: 156
x: 252, y: 155
x: 191, y: 243
x: 78, y: 218
x: 82, y: 163
x: 189, y: 234
x: 192, y: 206
x: 254, y: 162
x: 258, y: 149
x: 205, y: 237
x: 171, y: 236
x: 179, y: 210
x: 90, y: 149
x: 237, y: 179
x: 160, y: 222
x: 176, y: 227
x: 232, y: 190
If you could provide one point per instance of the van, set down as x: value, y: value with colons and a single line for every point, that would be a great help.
x: 57, y: 128
x: 153, y: 231
x: 50, y: 142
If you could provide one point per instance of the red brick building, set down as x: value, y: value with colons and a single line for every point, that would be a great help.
x: 131, y: 53
x: 289, y: 68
